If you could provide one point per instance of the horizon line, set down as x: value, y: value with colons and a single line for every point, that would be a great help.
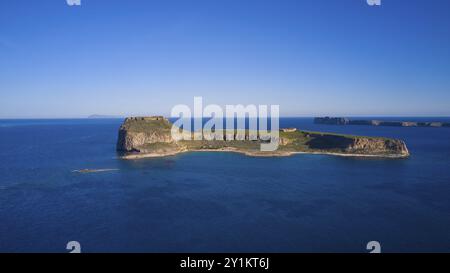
x: 286, y: 116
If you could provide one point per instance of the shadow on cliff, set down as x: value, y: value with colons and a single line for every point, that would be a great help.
x: 326, y: 142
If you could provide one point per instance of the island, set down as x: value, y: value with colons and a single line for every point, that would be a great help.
x: 372, y: 122
x: 142, y: 137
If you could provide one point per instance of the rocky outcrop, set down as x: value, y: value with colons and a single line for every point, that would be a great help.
x: 378, y: 146
x: 356, y: 145
x: 132, y: 141
x: 140, y: 131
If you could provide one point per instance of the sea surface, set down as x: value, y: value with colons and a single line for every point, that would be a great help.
x: 218, y: 202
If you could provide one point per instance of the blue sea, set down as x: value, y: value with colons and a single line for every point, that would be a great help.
x: 218, y: 202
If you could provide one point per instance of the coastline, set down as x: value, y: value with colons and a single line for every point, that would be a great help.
x: 149, y: 137
x: 259, y: 154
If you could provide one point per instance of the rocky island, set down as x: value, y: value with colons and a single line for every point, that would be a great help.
x: 141, y: 137
x: 373, y: 122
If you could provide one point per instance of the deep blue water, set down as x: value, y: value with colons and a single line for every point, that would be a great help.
x: 218, y: 202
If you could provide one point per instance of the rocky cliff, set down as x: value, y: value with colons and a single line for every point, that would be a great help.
x: 378, y: 146
x: 137, y: 132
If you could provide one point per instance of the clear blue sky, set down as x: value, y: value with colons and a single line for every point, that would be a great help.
x: 316, y: 57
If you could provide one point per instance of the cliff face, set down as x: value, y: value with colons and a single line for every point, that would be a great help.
x: 135, y: 133
x: 378, y: 146
x: 357, y: 145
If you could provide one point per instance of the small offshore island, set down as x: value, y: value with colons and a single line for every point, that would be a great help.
x: 141, y: 137
x: 373, y: 122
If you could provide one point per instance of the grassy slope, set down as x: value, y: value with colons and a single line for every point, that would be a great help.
x: 147, y: 126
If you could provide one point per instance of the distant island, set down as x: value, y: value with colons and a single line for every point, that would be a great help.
x: 141, y: 137
x: 371, y: 122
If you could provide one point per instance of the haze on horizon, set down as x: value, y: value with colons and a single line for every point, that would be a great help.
x: 312, y: 57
